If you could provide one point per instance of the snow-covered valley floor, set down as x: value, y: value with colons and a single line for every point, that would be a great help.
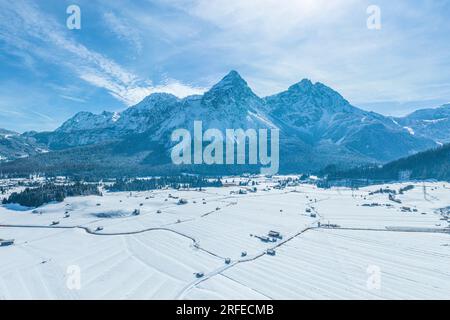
x: 374, y: 249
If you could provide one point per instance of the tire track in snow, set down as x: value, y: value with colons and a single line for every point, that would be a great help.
x: 222, y: 269
x: 226, y: 267
x: 89, y: 231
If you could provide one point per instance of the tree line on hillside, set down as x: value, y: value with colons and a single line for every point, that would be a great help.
x: 46, y: 193
x: 176, y: 182
x: 430, y: 164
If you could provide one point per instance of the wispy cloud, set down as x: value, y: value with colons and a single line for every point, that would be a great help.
x: 72, y: 98
x: 21, y: 114
x: 24, y: 25
x: 131, y: 94
x: 43, y: 116
x: 123, y: 30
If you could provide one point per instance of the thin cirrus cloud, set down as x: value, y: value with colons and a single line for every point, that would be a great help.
x: 33, y: 28
x: 123, y: 30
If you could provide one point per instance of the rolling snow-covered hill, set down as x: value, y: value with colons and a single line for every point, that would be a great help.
x: 14, y: 145
x: 429, y: 123
x: 429, y: 164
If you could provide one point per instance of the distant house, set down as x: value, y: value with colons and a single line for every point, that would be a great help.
x: 229, y: 184
x: 274, y: 234
x: 5, y: 243
x: 330, y: 225
x: 392, y: 198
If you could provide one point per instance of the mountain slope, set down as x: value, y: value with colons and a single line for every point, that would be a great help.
x: 13, y: 146
x: 430, y: 164
x: 86, y: 128
x: 228, y: 104
x: 318, y: 113
x: 429, y: 123
x: 312, y: 115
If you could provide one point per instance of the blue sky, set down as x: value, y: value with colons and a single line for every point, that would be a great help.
x: 126, y: 50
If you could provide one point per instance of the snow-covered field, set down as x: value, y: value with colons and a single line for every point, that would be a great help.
x: 386, y: 250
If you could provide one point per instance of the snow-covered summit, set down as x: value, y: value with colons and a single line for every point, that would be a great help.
x: 231, y: 92
x: 309, y: 115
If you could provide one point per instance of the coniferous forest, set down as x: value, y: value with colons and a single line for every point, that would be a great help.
x: 176, y: 182
x: 430, y: 164
x: 49, y: 192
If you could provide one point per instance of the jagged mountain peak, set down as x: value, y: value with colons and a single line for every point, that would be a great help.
x: 154, y: 100
x: 304, y: 84
x: 309, y: 99
x: 307, y: 87
x: 232, y: 77
x: 157, y: 97
x: 87, y: 120
x: 231, y: 92
x: 232, y: 82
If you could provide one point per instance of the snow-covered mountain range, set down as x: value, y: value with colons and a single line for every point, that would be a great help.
x: 228, y: 104
x: 317, y: 126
